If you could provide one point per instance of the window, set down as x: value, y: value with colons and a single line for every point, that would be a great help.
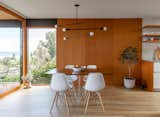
x: 41, y: 53
x: 9, y: 58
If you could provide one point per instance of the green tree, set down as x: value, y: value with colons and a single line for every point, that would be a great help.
x: 40, y: 57
x: 51, y: 39
x: 13, y: 56
x: 50, y: 43
x: 5, y: 61
x: 45, y: 51
x: 43, y: 58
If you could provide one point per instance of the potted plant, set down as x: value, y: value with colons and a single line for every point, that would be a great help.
x: 130, y: 57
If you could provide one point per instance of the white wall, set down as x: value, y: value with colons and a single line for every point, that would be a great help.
x: 151, y: 21
x: 148, y: 48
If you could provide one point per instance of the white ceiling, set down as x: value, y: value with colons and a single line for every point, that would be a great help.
x: 88, y: 8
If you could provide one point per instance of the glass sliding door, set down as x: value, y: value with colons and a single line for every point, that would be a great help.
x: 41, y: 54
x: 9, y: 58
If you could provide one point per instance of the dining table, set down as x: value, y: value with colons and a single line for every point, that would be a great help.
x: 80, y: 74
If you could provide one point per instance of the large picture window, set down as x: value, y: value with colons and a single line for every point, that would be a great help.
x: 10, y: 40
x: 41, y: 54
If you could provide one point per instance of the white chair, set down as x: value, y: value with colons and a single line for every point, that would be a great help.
x: 59, y: 85
x: 89, y: 67
x: 93, y: 67
x: 71, y: 78
x: 95, y: 82
x: 69, y: 67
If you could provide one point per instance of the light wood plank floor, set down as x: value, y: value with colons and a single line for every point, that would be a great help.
x: 118, y: 102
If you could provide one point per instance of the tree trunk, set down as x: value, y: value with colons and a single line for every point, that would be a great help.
x: 129, y: 69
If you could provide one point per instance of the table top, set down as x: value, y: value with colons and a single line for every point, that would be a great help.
x: 52, y: 71
x: 86, y: 72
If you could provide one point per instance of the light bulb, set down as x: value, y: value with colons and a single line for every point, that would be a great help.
x: 65, y: 38
x: 91, y: 34
x: 104, y: 28
x: 56, y: 26
x: 64, y: 29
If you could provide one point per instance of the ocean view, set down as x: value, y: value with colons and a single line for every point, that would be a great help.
x: 9, y: 54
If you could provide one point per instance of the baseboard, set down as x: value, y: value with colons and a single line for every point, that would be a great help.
x: 156, y: 89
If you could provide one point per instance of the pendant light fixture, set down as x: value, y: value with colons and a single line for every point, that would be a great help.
x: 90, y: 33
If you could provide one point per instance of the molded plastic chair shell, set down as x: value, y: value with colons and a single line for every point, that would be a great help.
x: 71, y: 79
x: 59, y: 82
x: 95, y: 82
x: 69, y: 66
x: 91, y: 66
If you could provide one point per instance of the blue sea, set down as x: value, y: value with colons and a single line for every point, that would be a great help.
x: 9, y: 54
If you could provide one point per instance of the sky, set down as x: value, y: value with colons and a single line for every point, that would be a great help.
x: 35, y: 35
x: 10, y: 38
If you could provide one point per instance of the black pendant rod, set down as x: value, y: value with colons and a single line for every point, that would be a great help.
x: 77, y: 6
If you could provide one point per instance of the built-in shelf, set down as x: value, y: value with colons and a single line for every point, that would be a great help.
x: 151, y: 33
x: 151, y: 41
x: 151, y: 26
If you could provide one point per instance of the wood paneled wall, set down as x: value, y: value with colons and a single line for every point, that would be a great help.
x: 148, y: 74
x: 104, y: 48
x: 127, y: 32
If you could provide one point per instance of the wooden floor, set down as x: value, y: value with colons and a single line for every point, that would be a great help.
x: 119, y: 102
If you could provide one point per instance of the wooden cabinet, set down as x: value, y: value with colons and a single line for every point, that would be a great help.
x: 151, y: 75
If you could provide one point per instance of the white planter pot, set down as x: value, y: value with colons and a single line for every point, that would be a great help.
x: 129, y: 83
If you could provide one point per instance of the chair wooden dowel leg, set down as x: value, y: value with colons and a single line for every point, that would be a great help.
x: 85, y: 97
x: 69, y: 93
x: 53, y: 102
x: 66, y: 102
x: 100, y: 99
x: 88, y: 96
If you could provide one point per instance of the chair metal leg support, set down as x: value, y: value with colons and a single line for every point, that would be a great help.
x: 66, y: 102
x: 69, y: 93
x: 100, y: 99
x: 73, y: 95
x: 86, y: 107
x: 53, y: 102
x: 56, y: 100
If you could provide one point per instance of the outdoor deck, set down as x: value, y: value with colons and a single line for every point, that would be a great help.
x: 6, y: 86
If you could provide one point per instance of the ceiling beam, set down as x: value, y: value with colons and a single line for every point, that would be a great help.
x: 10, y: 12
